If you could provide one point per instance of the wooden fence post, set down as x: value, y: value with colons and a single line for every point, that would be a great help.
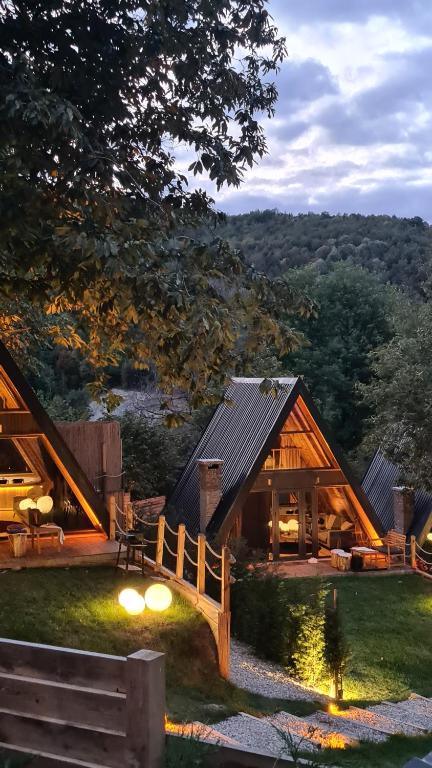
x: 112, y: 512
x: 128, y: 511
x: 413, y: 552
x: 160, y: 540
x: 226, y: 580
x: 145, y: 709
x: 201, y: 563
x: 223, y: 644
x: 181, y: 533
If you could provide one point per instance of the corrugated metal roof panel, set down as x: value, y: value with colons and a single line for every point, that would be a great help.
x: 236, y: 433
x: 378, y: 482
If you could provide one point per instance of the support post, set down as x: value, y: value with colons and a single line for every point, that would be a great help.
x: 201, y: 563
x: 181, y: 533
x: 112, y: 511
x: 224, y: 624
x: 413, y: 552
x: 302, y: 525
x: 160, y: 540
x: 275, y: 525
x: 145, y: 710
x: 226, y: 580
x: 314, y: 531
x: 128, y: 510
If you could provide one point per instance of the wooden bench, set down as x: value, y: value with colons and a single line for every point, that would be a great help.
x: 393, y: 546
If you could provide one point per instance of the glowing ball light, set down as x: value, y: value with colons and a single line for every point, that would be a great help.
x: 158, y: 597
x: 131, y: 601
x: 27, y: 504
x: 45, y: 504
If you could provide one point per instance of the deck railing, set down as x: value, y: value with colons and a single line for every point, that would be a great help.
x: 284, y: 458
x: 193, y: 565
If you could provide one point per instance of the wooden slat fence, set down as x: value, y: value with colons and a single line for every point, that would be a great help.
x: 95, y: 709
x: 193, y: 565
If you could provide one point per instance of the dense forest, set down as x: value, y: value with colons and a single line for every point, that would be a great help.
x: 368, y: 279
x: 397, y: 250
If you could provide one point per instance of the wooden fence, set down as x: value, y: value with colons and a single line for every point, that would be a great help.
x: 190, y: 564
x: 91, y: 708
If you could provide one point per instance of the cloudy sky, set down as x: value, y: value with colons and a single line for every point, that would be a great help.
x: 353, y: 126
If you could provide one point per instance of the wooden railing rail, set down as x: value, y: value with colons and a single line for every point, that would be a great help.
x: 70, y: 705
x: 170, y: 558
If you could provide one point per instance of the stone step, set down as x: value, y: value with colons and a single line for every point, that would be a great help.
x: 420, y: 701
x: 406, y: 723
x: 352, y: 729
x: 312, y: 730
x: 373, y: 720
x: 413, y: 712
x: 255, y: 733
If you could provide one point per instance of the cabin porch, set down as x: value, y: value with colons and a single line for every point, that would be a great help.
x: 79, y: 548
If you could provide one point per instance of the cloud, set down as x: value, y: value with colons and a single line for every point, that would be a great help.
x: 353, y: 125
x: 355, y: 11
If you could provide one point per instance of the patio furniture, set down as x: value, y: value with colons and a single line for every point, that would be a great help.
x: 17, y: 535
x: 367, y: 558
x: 334, y: 556
x: 40, y: 530
x: 132, y: 539
x: 392, y: 546
x: 344, y: 561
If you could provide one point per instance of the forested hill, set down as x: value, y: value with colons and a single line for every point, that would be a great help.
x: 397, y: 250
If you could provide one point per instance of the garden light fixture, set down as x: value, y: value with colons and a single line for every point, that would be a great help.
x: 158, y: 597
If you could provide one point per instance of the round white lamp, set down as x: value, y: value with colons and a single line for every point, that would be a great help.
x: 131, y: 601
x: 158, y: 597
x: 27, y: 504
x: 45, y: 504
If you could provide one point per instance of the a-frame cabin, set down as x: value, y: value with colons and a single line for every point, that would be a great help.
x: 35, y: 460
x: 267, y: 469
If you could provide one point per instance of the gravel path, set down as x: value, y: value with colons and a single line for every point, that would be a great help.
x: 263, y: 677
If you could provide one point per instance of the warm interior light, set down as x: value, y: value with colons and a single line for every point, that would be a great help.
x: 27, y: 504
x: 429, y: 536
x: 131, y: 601
x: 45, y: 504
x: 158, y: 597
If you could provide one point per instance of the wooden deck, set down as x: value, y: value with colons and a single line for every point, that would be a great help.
x: 90, y: 548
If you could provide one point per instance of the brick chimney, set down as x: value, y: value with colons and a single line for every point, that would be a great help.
x: 210, y: 485
x: 403, y: 508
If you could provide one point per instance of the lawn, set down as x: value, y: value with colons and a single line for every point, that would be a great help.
x: 78, y: 608
x: 388, y: 626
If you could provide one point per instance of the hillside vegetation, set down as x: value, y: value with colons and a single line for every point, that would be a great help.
x: 396, y: 250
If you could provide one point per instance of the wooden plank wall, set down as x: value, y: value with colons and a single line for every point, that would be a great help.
x: 97, y: 447
x: 77, y: 706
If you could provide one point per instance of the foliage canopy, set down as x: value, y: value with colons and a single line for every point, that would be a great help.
x: 96, y: 101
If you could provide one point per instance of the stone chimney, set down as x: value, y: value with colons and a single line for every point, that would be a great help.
x: 210, y: 485
x: 403, y: 508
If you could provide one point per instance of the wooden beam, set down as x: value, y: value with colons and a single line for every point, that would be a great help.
x: 302, y: 525
x: 314, y: 510
x: 298, y: 479
x: 275, y: 525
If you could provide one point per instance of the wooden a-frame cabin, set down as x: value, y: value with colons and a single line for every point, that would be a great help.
x: 267, y: 469
x: 36, y: 459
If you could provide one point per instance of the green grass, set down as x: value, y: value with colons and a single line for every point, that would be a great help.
x: 388, y: 625
x: 78, y: 608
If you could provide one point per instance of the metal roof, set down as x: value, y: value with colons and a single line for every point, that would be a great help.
x: 238, y: 431
x: 241, y: 433
x: 381, y: 477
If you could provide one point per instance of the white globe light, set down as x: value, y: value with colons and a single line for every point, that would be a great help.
x: 158, y: 597
x: 131, y: 601
x: 26, y: 504
x: 45, y: 504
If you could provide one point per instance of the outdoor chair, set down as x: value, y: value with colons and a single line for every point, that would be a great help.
x: 393, y: 547
x: 132, y: 539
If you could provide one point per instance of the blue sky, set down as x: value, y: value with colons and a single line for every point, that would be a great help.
x: 353, y: 126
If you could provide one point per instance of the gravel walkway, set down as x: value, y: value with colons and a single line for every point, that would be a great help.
x: 263, y: 677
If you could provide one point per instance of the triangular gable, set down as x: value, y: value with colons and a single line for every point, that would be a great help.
x: 15, y: 390
x: 242, y: 432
